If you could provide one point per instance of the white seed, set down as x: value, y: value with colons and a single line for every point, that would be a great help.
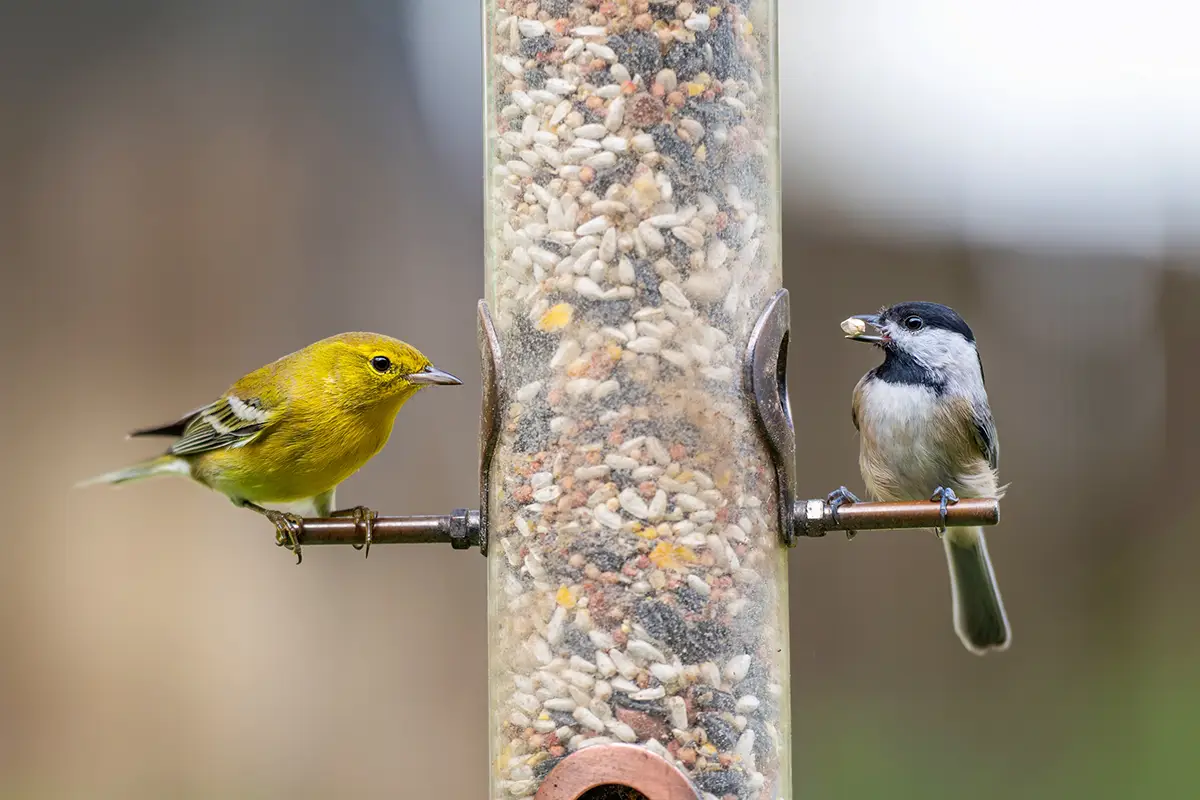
x: 737, y: 668
x: 689, y: 236
x: 592, y: 472
x: 602, y: 639
x: 601, y: 160
x: 625, y: 685
x: 644, y: 650
x: 645, y: 344
x: 531, y: 28
x: 853, y: 327
x: 581, y: 665
x: 622, y: 731
x: 594, y: 225
x: 605, y: 665
x: 588, y: 719
x: 520, y: 168
x: 718, y: 374
x: 697, y: 22
x: 653, y: 693
x: 526, y: 702
x: 529, y: 391
x: 642, y: 142
x: 665, y: 220
x: 620, y: 462
x: 610, y: 207
x: 593, y: 130
x: 602, y: 51
x: 657, y: 451
x: 699, y: 585
x: 513, y: 66
x: 675, y: 357
x: 674, y: 295
x: 615, y: 144
x: 745, y: 744
x: 653, y: 240
x: 607, y: 517
x: 577, y: 678
x: 747, y: 704
x: 614, y: 333
x: 539, y: 480
x: 658, y: 505
x: 633, y: 503
x: 567, y: 352
x: 677, y: 710
x: 559, y: 86
x: 588, y: 287
x: 664, y: 672
x: 693, y: 129
x: 616, y: 113
x: 608, y: 244
x: 560, y: 704
x: 547, y: 495
x: 625, y: 665
x: 573, y: 49
x: 554, y: 629
x: 605, y: 388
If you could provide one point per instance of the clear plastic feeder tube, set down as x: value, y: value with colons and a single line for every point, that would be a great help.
x: 637, y: 577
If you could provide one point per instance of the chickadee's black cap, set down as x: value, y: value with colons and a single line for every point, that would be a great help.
x: 934, y: 315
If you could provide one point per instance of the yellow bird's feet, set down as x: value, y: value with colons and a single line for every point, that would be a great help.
x: 287, y: 530
x: 364, y: 517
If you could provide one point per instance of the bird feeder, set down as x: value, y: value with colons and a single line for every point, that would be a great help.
x: 637, y: 498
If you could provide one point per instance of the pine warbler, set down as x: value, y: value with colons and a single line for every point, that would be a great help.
x: 287, y: 434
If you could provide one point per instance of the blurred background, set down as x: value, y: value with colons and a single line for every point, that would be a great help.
x: 189, y: 190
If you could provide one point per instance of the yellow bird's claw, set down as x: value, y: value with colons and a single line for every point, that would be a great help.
x: 287, y: 530
x: 366, y: 518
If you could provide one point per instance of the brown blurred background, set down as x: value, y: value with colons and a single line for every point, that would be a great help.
x: 189, y: 190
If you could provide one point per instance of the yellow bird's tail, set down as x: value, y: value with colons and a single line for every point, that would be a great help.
x: 159, y: 465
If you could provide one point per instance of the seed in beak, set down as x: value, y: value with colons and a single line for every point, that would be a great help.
x: 853, y: 326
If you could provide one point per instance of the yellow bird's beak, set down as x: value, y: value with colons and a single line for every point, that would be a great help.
x: 432, y: 376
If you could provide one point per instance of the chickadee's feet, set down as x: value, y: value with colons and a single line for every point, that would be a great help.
x: 946, y: 496
x: 364, y: 517
x: 839, y: 497
x: 287, y: 530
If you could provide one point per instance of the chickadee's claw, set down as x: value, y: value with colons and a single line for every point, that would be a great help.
x: 287, y: 526
x: 947, y: 497
x: 365, y: 517
x: 839, y: 497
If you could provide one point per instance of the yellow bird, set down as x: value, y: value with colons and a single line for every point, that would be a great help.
x: 288, y: 433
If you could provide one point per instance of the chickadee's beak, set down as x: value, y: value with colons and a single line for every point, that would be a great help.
x: 856, y: 325
x: 432, y: 376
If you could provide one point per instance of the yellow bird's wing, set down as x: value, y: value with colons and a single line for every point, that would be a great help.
x: 227, y: 423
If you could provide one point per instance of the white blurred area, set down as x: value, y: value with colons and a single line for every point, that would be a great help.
x: 1069, y: 125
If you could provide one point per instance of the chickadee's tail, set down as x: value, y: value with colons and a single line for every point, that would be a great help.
x: 979, y: 617
x: 160, y: 465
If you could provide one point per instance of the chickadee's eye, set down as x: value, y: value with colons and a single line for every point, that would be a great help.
x: 914, y: 323
x: 381, y: 363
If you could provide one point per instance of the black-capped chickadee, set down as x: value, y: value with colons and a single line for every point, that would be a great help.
x: 927, y: 432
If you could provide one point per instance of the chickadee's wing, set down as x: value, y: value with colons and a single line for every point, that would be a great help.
x: 857, y: 399
x: 984, y: 430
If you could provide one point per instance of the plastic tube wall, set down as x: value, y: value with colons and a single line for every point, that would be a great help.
x: 637, y: 580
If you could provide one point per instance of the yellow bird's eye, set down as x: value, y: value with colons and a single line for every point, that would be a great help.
x: 381, y: 363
